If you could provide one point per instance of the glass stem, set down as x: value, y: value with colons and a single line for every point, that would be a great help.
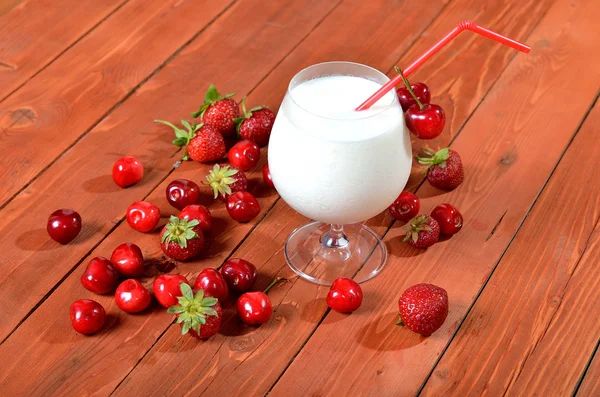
x: 335, y: 238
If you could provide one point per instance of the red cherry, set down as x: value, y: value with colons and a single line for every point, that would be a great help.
x: 182, y: 192
x: 87, y: 316
x: 100, y: 276
x: 166, y: 288
x: 405, y: 207
x: 242, y: 206
x: 199, y: 213
x: 132, y: 297
x: 449, y: 218
x: 239, y: 274
x: 244, y: 154
x: 254, y: 308
x: 345, y: 295
x: 213, y: 283
x: 64, y: 225
x: 425, y: 123
x: 267, y: 176
x: 143, y: 216
x: 128, y: 260
x: 407, y: 100
x: 127, y: 171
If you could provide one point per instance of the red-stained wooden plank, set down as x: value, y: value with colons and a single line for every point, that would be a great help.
x: 34, y: 32
x: 246, y: 360
x: 506, y: 166
x: 537, y: 322
x: 104, y: 68
x: 60, y: 364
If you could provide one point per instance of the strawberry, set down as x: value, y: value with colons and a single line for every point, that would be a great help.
x: 202, y: 143
x: 218, y: 111
x: 226, y: 180
x: 182, y: 239
x: 256, y: 124
x: 422, y: 232
x: 444, y: 168
x: 199, y: 314
x: 423, y: 308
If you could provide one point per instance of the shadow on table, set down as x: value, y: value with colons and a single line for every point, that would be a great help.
x: 383, y: 335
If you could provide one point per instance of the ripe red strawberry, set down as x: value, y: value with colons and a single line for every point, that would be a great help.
x: 226, y: 180
x: 444, y: 168
x: 202, y: 143
x: 182, y: 239
x: 199, y: 314
x: 218, y: 111
x: 423, y: 308
x: 422, y: 232
x: 256, y: 124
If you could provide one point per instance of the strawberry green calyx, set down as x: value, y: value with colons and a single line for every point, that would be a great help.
x: 438, y: 158
x: 419, y: 224
x: 408, y: 87
x: 183, y: 137
x: 246, y: 114
x: 212, y: 96
x: 399, y: 323
x: 192, y: 310
x: 220, y: 178
x: 180, y: 231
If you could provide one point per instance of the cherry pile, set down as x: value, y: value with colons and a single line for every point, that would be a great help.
x: 185, y: 236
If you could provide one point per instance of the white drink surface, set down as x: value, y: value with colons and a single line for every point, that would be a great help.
x: 332, y: 163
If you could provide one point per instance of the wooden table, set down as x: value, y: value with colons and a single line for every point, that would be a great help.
x: 81, y: 82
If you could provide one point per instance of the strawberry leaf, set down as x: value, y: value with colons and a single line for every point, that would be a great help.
x: 186, y: 291
x: 212, y: 94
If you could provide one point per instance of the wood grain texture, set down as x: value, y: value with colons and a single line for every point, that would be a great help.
x: 81, y: 178
x: 234, y: 362
x: 34, y: 32
x: 590, y: 386
x: 62, y: 356
x: 365, y: 353
x: 103, y: 69
x: 249, y: 360
x: 537, y: 322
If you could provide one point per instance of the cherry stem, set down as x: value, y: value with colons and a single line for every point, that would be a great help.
x: 278, y: 279
x: 408, y: 86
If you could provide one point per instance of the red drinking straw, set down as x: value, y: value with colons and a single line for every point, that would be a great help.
x: 464, y: 25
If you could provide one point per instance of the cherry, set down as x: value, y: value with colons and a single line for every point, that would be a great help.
x: 128, y: 260
x: 405, y: 207
x: 64, y: 225
x: 87, y: 316
x: 267, y: 176
x: 100, y: 276
x: 426, y: 121
x: 182, y: 192
x: 143, y: 216
x: 244, y: 154
x: 166, y: 288
x: 449, y: 218
x: 213, y: 283
x: 407, y: 100
x: 239, y: 274
x: 345, y: 295
x: 255, y: 307
x: 242, y: 206
x: 127, y: 171
x: 199, y: 213
x: 132, y: 297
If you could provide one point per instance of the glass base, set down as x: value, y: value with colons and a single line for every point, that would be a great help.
x: 359, y: 254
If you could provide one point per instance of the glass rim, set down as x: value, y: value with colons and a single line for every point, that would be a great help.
x: 367, y: 114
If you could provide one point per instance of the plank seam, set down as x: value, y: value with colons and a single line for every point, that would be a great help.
x: 586, y: 369
x: 585, y: 115
x: 61, y: 53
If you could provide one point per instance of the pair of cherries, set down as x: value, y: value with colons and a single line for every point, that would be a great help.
x: 424, y: 119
